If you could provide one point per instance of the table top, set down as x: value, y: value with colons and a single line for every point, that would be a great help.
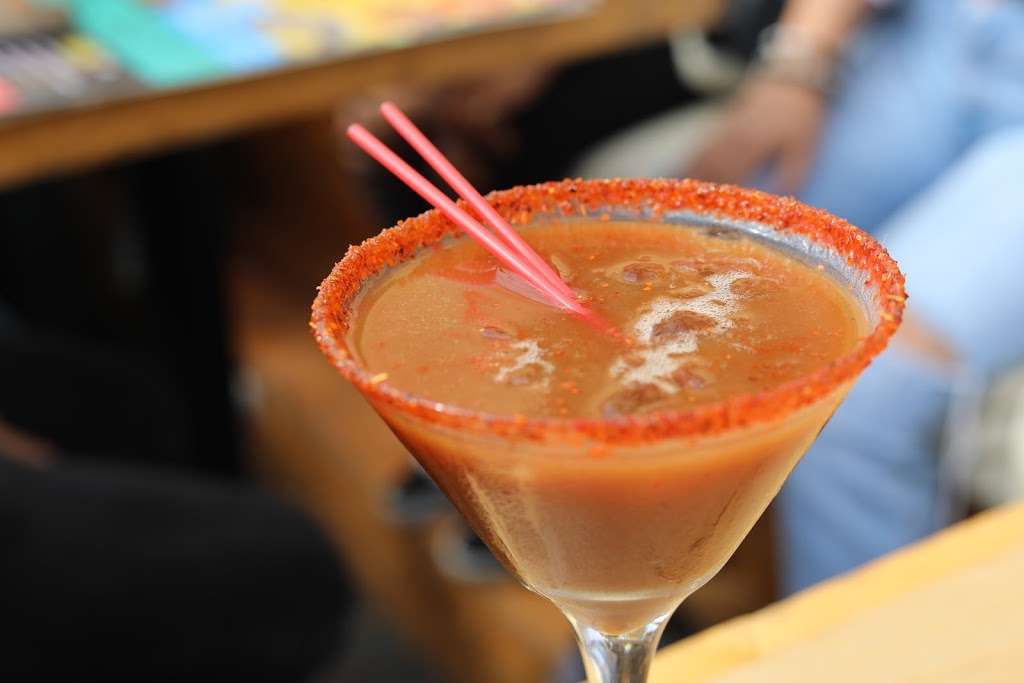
x: 943, y: 611
x: 76, y: 138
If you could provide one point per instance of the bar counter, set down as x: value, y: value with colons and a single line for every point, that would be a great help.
x: 946, y: 610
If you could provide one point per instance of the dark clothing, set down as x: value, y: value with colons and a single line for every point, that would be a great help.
x: 128, y: 560
x: 110, y: 574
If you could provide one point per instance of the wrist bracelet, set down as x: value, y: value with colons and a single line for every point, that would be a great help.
x: 786, y: 53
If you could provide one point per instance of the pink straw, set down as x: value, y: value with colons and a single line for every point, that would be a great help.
x: 451, y: 175
x: 423, y: 187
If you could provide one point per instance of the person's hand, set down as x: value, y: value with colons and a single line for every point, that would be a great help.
x: 770, y: 124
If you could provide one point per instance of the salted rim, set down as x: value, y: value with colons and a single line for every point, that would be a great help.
x: 593, y: 198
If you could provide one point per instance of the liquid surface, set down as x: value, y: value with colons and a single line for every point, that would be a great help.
x: 711, y: 314
x: 615, y: 534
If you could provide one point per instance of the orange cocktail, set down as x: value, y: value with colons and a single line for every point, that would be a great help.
x: 614, y: 477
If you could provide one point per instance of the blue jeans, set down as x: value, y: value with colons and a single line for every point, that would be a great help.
x: 925, y: 147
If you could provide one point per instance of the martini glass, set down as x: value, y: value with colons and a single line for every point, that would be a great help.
x: 618, y: 520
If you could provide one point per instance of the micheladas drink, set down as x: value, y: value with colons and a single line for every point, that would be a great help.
x: 614, y: 473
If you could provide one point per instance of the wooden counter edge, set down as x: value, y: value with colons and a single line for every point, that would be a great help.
x: 806, y: 614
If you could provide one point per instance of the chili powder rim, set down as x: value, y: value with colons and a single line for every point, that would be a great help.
x: 332, y: 307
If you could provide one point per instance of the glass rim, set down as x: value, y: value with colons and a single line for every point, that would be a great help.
x: 652, y: 198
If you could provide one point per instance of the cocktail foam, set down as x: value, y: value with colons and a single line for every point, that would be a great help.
x: 655, y: 361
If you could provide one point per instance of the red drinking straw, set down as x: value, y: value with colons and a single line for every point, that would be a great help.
x: 451, y: 175
x: 423, y: 187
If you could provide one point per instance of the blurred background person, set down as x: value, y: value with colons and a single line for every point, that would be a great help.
x: 907, y: 119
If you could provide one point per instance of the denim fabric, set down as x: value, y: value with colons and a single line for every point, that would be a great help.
x: 926, y: 149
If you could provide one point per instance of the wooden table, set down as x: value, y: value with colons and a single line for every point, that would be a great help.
x: 947, y: 610
x: 72, y: 140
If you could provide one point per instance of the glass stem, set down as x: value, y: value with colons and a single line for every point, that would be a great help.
x: 619, y: 658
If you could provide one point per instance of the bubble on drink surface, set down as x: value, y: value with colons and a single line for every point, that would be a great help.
x: 631, y: 399
x: 528, y: 367
x: 526, y: 376
x: 689, y: 379
x: 562, y: 267
x: 719, y: 304
x: 680, y: 323
x: 495, y: 333
x: 755, y: 286
x: 642, y: 272
x: 686, y: 281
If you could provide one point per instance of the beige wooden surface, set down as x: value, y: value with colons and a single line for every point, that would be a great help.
x: 948, y: 610
x: 73, y: 140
